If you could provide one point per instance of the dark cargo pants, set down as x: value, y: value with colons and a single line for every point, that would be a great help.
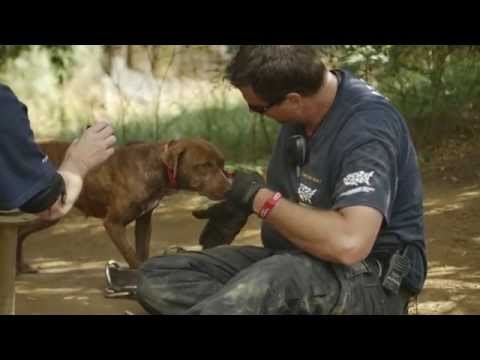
x: 256, y: 280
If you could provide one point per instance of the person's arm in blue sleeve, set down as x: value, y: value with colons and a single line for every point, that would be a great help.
x: 28, y: 180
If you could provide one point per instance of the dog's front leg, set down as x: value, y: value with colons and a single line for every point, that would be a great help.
x: 143, y: 232
x: 118, y: 235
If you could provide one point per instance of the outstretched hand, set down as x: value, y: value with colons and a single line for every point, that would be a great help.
x: 245, y: 186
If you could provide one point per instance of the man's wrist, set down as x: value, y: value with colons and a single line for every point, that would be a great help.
x: 70, y: 166
x: 261, y: 197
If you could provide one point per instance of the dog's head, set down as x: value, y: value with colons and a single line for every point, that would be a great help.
x: 197, y: 165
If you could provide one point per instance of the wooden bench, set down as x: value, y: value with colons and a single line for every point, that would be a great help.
x: 9, y: 222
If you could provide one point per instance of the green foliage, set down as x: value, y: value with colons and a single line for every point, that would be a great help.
x: 242, y: 136
x: 11, y: 52
x: 436, y: 87
x: 60, y: 57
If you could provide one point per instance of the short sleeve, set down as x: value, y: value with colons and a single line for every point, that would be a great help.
x: 24, y: 169
x: 367, y: 170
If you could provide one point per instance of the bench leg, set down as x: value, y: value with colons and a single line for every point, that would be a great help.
x: 8, y: 243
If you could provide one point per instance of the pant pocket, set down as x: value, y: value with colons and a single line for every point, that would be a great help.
x: 356, y: 270
x: 361, y: 291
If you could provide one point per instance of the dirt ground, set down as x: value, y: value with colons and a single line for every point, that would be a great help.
x: 71, y: 256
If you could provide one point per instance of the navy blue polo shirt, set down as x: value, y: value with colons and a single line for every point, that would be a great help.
x: 362, y: 154
x: 24, y: 169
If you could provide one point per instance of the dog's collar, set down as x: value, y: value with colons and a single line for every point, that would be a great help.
x: 228, y: 174
x: 171, y: 177
x: 172, y: 181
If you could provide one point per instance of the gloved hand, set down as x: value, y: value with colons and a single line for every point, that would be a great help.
x: 225, y: 221
x: 245, y: 186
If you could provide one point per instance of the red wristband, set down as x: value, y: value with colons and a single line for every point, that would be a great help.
x: 269, y: 205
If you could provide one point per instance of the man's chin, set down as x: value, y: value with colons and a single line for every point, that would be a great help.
x: 286, y: 121
x: 280, y: 121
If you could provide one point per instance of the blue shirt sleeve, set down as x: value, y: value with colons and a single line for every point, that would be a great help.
x: 24, y: 169
x: 368, y: 170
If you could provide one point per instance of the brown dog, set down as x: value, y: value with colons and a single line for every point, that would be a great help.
x: 129, y: 186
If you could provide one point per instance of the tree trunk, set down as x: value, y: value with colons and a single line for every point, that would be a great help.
x: 139, y: 59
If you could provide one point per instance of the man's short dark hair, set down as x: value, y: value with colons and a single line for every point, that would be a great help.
x: 273, y: 71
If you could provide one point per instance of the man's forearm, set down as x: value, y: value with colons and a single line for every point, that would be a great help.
x: 73, y: 187
x: 323, y: 234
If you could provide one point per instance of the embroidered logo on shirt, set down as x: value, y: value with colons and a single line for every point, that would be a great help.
x: 358, y: 178
x: 306, y: 193
x: 311, y: 178
x: 45, y: 159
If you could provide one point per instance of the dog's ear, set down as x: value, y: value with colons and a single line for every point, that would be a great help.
x: 171, y: 157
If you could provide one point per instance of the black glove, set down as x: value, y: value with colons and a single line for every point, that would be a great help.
x: 225, y: 220
x: 245, y: 186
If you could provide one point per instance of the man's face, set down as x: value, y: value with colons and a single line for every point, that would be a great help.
x: 284, y: 111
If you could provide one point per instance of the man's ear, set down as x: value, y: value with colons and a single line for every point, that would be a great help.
x: 171, y: 157
x: 294, y: 99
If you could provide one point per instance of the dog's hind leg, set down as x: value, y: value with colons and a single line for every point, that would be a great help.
x: 23, y: 232
x: 143, y: 232
x: 118, y: 234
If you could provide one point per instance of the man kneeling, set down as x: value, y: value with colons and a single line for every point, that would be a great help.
x: 342, y: 204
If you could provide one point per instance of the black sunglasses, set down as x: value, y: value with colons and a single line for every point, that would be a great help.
x: 263, y: 109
